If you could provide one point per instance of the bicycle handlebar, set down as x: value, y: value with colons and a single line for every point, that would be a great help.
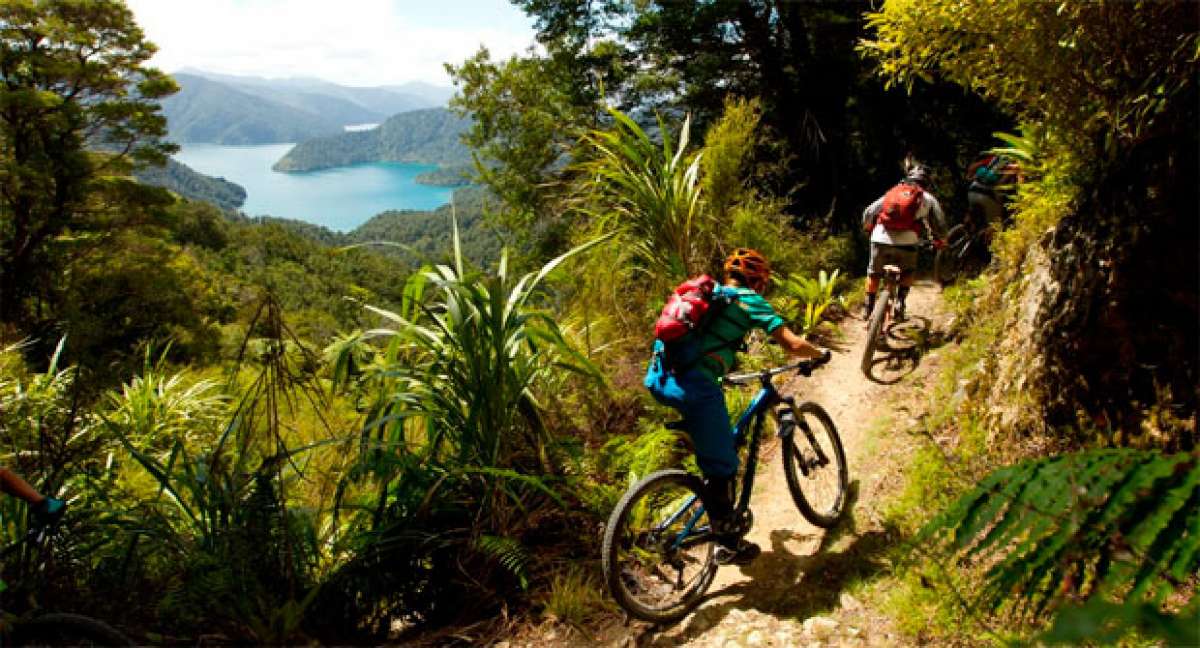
x: 803, y: 367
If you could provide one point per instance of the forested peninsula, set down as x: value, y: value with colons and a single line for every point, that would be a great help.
x: 429, y: 136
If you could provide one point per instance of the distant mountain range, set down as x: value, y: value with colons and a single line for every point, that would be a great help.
x: 425, y: 136
x: 226, y: 109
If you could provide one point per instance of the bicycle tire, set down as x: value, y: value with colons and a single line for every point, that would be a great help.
x: 821, y: 514
x: 874, y: 328
x: 63, y: 629
x: 615, y: 537
x: 947, y: 263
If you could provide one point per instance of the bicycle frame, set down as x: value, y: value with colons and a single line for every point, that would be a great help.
x: 749, y: 423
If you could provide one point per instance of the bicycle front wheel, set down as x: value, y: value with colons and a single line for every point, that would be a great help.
x: 947, y: 263
x: 61, y: 629
x: 659, y: 553
x: 875, y: 329
x: 815, y: 465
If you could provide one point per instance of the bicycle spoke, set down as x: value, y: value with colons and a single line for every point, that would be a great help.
x: 661, y: 547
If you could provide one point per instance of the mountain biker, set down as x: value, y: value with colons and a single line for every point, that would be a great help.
x: 988, y: 175
x: 895, y: 234
x: 45, y: 509
x: 686, y: 378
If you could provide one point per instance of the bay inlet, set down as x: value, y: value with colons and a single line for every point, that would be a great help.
x: 339, y: 199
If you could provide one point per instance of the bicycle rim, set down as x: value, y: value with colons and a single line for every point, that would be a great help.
x: 814, y: 463
x: 947, y: 263
x: 659, y: 556
x: 874, y: 328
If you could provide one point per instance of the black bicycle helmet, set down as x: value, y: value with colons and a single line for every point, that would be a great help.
x: 919, y: 174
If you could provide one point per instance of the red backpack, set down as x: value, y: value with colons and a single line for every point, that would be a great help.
x: 685, y: 308
x: 900, y: 206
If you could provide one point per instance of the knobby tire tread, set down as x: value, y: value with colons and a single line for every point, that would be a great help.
x: 612, y: 575
x: 878, y: 315
x: 823, y: 425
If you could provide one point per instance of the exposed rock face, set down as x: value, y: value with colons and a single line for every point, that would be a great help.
x: 1102, y: 327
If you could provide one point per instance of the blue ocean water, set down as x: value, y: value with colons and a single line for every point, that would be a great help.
x: 340, y: 199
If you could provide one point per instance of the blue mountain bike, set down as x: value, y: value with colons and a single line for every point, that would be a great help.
x: 659, y: 552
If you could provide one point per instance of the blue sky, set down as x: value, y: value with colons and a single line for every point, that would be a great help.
x: 353, y: 42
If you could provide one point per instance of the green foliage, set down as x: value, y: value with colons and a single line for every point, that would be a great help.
x: 509, y: 554
x: 1104, y: 623
x: 525, y: 113
x: 193, y: 185
x: 454, y: 454
x: 218, y: 504
x: 80, y: 111
x: 814, y: 295
x: 455, y: 175
x: 430, y: 136
x: 651, y: 194
x: 418, y: 238
x: 728, y: 152
x: 654, y: 447
x: 574, y: 597
x: 1108, y: 524
x: 1085, y: 69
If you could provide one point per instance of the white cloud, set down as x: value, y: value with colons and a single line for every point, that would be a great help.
x: 355, y: 42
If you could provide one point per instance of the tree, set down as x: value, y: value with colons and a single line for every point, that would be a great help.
x: 842, y: 134
x: 78, y: 112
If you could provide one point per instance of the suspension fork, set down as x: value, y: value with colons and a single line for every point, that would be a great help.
x: 788, y: 422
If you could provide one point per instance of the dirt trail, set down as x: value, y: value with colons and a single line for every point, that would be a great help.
x: 795, y: 594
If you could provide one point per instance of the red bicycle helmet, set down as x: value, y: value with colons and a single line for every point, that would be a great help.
x: 751, y: 266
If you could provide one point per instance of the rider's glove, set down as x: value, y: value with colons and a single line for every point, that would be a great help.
x: 49, y: 510
x: 939, y: 243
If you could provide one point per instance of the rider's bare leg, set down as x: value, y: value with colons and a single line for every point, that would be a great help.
x: 906, y: 282
x: 11, y: 483
x: 872, y: 289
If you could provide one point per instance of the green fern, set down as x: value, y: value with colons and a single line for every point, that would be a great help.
x: 509, y: 554
x: 1123, y: 525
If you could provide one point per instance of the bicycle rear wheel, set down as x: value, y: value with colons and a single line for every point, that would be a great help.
x: 948, y: 262
x: 659, y: 554
x: 874, y: 329
x: 815, y: 465
x: 61, y: 629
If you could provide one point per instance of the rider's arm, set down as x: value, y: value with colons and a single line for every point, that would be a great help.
x: 936, y: 218
x: 794, y: 344
x: 869, y: 214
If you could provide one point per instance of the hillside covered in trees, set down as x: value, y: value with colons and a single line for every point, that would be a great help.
x: 191, y: 184
x: 269, y: 433
x: 423, y: 136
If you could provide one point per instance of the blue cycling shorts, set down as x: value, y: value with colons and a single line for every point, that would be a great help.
x: 700, y: 400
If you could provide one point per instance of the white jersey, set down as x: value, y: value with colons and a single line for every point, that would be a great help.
x: 930, y: 207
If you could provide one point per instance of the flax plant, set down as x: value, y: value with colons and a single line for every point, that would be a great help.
x: 453, y: 439
x: 650, y: 194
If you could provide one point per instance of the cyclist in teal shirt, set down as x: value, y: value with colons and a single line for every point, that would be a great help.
x: 689, y: 383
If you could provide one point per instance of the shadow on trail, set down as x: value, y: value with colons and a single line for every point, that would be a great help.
x: 787, y: 582
x: 903, y: 345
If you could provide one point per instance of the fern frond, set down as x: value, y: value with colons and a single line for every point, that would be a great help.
x: 508, y: 553
x: 1123, y: 524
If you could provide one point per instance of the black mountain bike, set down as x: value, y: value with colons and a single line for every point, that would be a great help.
x: 885, y: 303
x: 966, y: 251
x: 52, y: 628
x: 659, y: 552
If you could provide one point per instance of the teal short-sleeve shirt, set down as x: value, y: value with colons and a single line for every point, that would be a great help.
x: 724, y: 333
